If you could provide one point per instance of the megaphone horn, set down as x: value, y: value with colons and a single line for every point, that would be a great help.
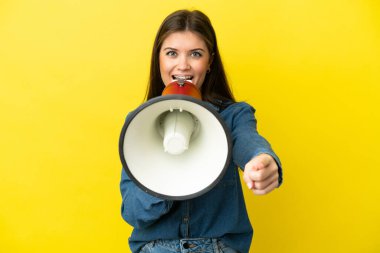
x: 173, y: 138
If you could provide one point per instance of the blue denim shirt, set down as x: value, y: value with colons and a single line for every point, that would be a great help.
x: 219, y: 213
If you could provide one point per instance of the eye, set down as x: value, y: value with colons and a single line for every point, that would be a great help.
x: 171, y: 53
x: 196, y: 54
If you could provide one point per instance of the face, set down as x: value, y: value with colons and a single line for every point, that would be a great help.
x: 184, y: 54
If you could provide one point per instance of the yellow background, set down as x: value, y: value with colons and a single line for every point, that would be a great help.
x: 71, y: 70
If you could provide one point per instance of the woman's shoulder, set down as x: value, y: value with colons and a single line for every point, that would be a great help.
x: 238, y: 106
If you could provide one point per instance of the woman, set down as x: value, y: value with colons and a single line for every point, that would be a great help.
x: 186, y: 48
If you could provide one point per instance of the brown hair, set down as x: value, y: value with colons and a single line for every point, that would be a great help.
x: 215, y: 86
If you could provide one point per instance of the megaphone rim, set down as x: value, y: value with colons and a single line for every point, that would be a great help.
x: 174, y: 97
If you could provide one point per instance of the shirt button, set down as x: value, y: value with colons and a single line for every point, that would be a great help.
x: 187, y: 245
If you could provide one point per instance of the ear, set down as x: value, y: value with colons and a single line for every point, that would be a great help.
x: 211, y: 60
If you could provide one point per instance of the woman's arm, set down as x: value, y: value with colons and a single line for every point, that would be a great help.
x: 139, y: 208
x: 253, y: 153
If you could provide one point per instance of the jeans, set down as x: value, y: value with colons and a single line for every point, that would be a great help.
x: 187, y: 246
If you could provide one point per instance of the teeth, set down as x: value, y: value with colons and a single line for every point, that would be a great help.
x: 183, y: 77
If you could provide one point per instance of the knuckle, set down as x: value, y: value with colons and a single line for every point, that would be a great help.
x: 259, y: 177
x: 258, y: 185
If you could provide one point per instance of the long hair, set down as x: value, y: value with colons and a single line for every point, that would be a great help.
x: 215, y: 87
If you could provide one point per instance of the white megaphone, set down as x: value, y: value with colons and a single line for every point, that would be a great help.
x: 175, y: 146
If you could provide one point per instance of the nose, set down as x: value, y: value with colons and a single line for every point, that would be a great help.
x: 183, y: 63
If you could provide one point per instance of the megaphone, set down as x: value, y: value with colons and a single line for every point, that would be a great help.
x: 175, y: 146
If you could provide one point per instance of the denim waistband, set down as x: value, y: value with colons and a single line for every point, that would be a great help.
x: 189, y: 245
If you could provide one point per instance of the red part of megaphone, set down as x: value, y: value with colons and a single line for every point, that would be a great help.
x: 182, y: 88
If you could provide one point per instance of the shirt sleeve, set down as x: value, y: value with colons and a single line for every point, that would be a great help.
x: 247, y: 143
x: 139, y: 208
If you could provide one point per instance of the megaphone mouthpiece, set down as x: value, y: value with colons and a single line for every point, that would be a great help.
x: 178, y: 128
x: 182, y: 87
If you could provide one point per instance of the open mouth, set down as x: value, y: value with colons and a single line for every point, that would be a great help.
x: 182, y: 78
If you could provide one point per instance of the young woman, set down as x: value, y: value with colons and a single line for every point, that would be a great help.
x: 217, y: 221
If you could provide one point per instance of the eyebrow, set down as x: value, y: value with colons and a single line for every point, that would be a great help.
x: 174, y: 49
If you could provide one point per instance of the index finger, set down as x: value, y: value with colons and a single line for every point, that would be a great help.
x: 259, y: 162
